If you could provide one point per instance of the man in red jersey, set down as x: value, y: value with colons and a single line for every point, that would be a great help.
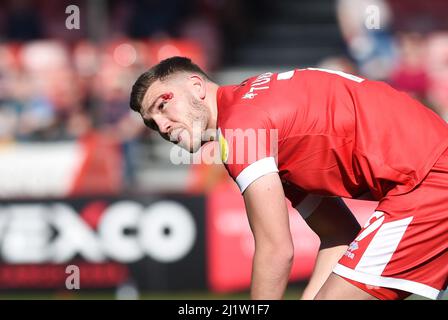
x: 313, y: 136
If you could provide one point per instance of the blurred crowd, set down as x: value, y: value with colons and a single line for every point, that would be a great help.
x: 404, y: 43
x: 57, y: 83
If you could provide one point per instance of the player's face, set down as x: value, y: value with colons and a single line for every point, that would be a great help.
x: 172, y: 108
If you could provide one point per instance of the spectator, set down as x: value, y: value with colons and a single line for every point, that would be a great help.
x: 410, y: 74
x: 365, y: 26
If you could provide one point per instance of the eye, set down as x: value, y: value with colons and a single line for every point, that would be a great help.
x: 162, y: 105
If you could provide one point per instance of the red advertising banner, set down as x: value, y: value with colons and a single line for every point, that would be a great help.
x: 230, y: 244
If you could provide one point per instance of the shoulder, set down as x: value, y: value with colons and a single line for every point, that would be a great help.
x: 241, y: 116
x: 238, y: 107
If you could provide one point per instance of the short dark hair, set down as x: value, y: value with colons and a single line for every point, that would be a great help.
x: 161, y: 71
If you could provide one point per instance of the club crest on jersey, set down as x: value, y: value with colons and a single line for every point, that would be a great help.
x: 249, y: 95
x: 223, y: 147
x: 352, y: 247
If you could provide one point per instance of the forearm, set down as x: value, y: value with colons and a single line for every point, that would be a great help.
x: 274, y: 250
x: 270, y: 274
x: 325, y: 262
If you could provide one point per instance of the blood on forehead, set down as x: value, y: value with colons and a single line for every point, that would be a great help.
x: 163, y: 96
x: 167, y: 96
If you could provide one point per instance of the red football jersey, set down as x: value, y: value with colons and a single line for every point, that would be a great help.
x: 327, y: 133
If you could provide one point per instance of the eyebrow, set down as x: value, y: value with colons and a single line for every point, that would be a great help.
x: 151, y: 106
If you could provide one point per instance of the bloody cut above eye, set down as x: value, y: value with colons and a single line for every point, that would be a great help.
x: 167, y: 96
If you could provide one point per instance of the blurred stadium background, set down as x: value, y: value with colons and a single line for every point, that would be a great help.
x: 83, y: 184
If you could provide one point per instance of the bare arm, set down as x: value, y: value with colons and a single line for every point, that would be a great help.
x: 268, y: 218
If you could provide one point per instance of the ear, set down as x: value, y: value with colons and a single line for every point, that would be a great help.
x: 197, y: 84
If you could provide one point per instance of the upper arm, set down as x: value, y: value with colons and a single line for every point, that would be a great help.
x: 249, y: 144
x: 267, y: 212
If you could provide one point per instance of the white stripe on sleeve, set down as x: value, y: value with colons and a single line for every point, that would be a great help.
x: 254, y: 171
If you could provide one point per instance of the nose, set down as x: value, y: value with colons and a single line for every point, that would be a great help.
x: 163, y: 124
